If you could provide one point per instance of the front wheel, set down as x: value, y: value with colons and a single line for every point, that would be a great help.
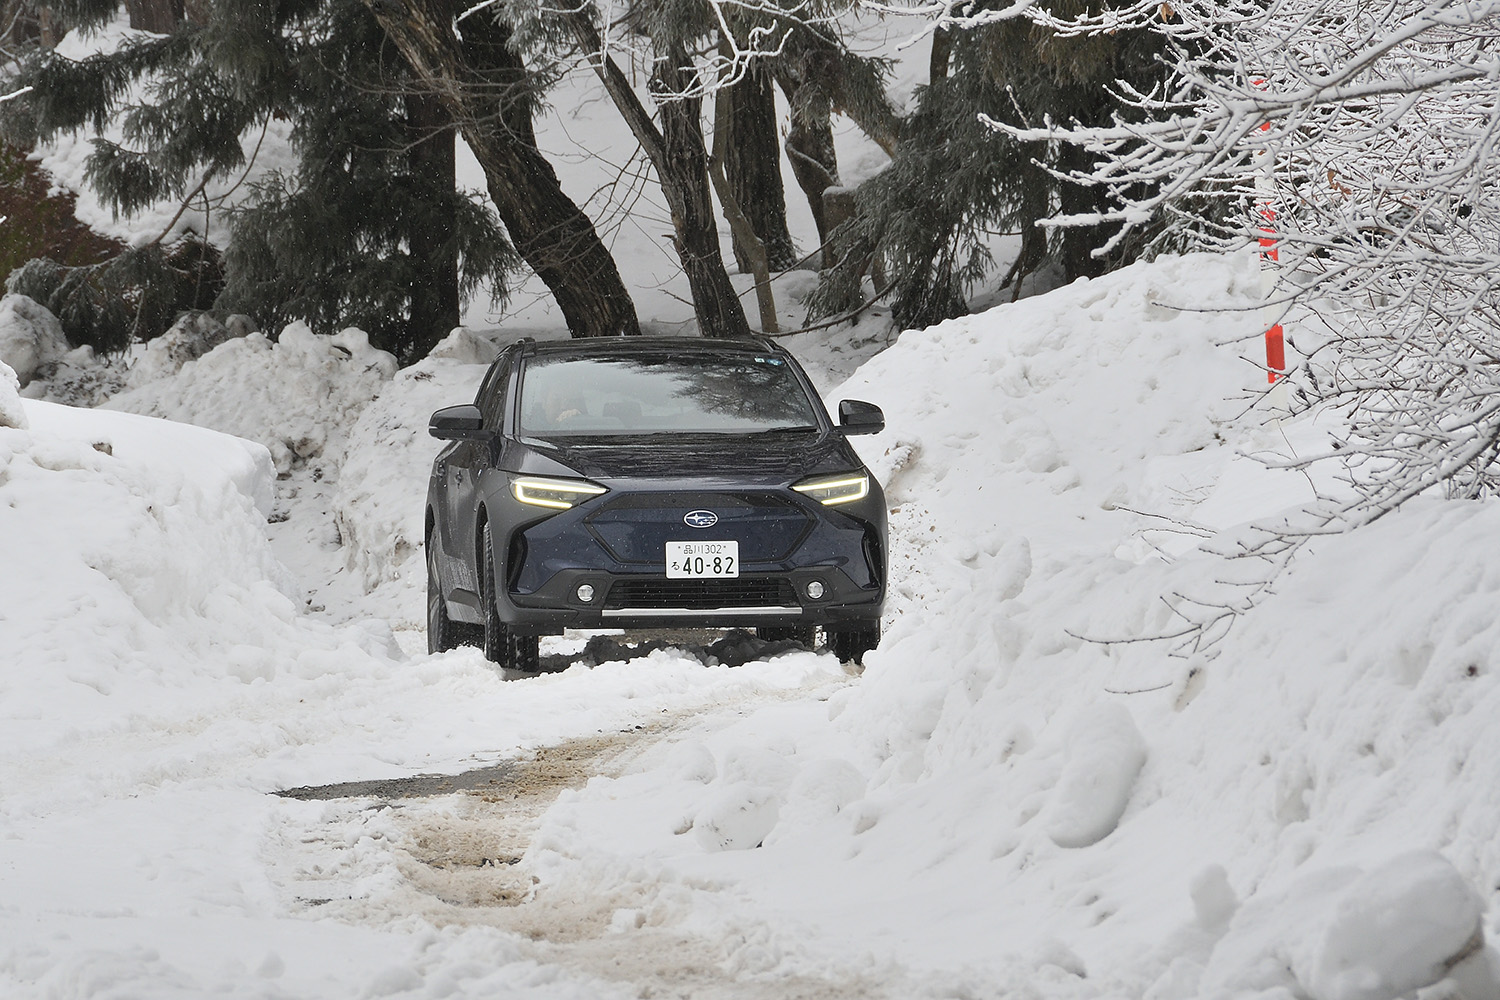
x: 501, y: 645
x: 851, y: 645
x: 443, y: 633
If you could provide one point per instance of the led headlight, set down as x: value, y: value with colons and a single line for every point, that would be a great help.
x: 558, y: 494
x: 836, y: 490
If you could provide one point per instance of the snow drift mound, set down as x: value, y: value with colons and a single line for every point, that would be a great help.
x: 1345, y: 934
x: 191, y: 337
x: 1305, y: 810
x: 1343, y: 718
x: 30, y: 337
x: 135, y: 563
x: 384, y: 470
x: 296, y: 396
x: 12, y: 414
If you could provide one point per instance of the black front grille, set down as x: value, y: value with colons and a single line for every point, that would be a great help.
x: 635, y: 527
x: 704, y: 595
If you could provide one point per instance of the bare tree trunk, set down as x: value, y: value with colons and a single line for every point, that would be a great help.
x: 1074, y: 245
x: 845, y: 260
x: 752, y: 162
x: 676, y: 152
x: 739, y: 223
x: 49, y: 27
x: 809, y: 146
x: 160, y: 16
x: 481, y: 84
x: 942, y: 52
x: 18, y: 25
x: 432, y: 242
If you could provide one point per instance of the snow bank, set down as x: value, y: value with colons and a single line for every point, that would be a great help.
x: 1105, y: 753
x: 170, y: 452
x: 1019, y: 443
x: 983, y: 798
x: 297, y: 396
x: 142, y: 538
x: 1326, y: 728
x: 30, y: 336
x: 12, y: 414
x: 385, y: 466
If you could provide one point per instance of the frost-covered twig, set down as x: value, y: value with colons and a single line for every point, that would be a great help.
x: 1378, y: 130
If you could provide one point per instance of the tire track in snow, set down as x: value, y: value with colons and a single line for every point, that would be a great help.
x: 450, y: 850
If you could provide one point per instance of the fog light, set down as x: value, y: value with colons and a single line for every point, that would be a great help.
x: 815, y: 589
x: 585, y: 593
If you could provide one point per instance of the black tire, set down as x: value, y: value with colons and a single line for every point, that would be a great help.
x: 851, y: 645
x: 502, y: 647
x: 442, y: 634
x: 496, y: 635
x: 525, y: 653
x: 802, y: 635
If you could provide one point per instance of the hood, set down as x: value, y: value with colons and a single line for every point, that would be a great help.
x: 766, y: 460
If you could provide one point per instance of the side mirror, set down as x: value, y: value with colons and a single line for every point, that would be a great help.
x: 457, y: 423
x: 858, y: 417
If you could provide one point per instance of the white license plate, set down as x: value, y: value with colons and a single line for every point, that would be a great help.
x: 692, y: 560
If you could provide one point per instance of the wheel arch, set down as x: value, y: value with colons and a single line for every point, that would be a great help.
x: 481, y: 520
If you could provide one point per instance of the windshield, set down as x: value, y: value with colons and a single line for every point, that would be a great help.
x: 701, y: 394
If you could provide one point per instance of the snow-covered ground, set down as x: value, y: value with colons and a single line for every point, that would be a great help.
x: 1012, y: 800
x: 1016, y: 798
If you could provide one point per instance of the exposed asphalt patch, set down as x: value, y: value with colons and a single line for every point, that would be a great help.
x: 417, y: 786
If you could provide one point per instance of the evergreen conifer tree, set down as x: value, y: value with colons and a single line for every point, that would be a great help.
x: 954, y: 182
x: 369, y: 230
x: 333, y: 244
x: 478, y: 75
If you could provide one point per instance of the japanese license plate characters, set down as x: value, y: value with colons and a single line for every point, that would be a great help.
x: 692, y: 560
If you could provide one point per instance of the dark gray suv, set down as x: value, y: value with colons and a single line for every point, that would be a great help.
x: 651, y: 483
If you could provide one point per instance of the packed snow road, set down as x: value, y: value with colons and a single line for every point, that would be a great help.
x: 454, y: 849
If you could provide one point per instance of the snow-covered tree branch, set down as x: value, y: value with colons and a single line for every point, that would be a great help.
x: 1363, y: 139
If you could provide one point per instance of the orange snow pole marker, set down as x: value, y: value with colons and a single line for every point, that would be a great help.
x: 1275, y: 336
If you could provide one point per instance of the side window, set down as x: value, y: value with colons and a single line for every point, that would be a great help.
x: 493, y: 393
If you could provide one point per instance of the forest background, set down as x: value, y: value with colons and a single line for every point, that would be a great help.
x: 1356, y: 145
x: 370, y: 227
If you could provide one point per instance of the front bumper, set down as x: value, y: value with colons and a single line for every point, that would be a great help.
x: 841, y: 549
x: 641, y: 601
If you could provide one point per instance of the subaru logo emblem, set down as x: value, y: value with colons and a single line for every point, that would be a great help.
x: 700, y: 519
